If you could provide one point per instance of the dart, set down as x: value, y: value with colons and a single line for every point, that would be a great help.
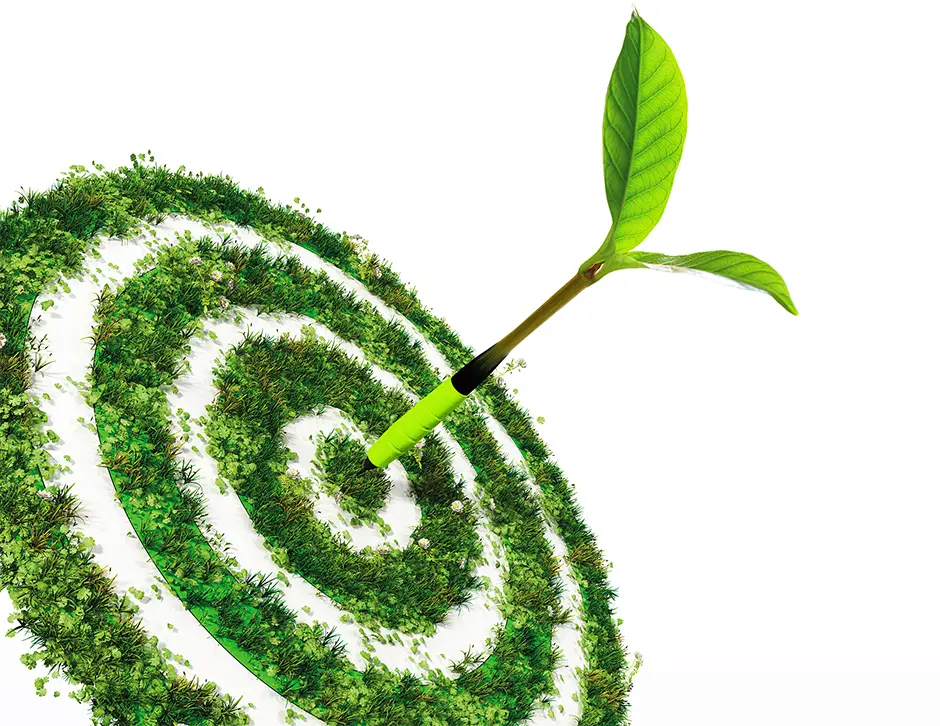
x: 644, y: 129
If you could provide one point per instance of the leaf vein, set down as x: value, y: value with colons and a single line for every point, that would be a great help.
x: 661, y: 89
x: 658, y: 139
x: 667, y: 109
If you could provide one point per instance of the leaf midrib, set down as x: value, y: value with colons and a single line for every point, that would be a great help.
x: 636, y: 118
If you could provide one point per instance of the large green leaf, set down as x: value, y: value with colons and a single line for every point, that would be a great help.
x: 742, y: 268
x: 644, y: 131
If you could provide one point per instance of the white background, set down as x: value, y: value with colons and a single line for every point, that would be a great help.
x: 766, y: 485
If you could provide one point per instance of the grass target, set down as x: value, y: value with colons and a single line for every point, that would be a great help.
x: 238, y: 359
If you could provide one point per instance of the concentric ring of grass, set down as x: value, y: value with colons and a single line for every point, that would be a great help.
x: 140, y: 337
x: 268, y: 383
x: 45, y: 564
x: 144, y: 351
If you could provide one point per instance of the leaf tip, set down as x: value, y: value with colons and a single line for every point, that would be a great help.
x: 783, y: 297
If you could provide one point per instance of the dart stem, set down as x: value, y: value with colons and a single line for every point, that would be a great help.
x: 476, y: 371
x: 464, y: 381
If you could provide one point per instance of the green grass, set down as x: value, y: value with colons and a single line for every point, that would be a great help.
x: 62, y: 596
x: 339, y: 468
x: 264, y: 385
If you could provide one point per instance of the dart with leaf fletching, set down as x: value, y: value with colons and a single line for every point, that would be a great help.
x: 644, y: 130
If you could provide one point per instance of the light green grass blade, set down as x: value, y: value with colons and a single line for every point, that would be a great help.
x: 643, y: 134
x: 738, y: 266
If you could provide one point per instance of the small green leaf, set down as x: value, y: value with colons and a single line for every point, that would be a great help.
x: 742, y: 268
x: 643, y: 134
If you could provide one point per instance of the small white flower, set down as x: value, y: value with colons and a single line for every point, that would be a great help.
x: 195, y: 260
x: 424, y: 543
x: 339, y: 496
x: 230, y: 265
x: 383, y: 549
x: 457, y: 505
x: 217, y: 275
x: 223, y: 301
x: 463, y: 561
x: 378, y: 273
x: 45, y: 494
x: 3, y: 340
x: 492, y: 504
x: 231, y: 284
x: 420, y: 444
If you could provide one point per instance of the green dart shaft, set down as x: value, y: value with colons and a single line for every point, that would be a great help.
x: 418, y: 421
